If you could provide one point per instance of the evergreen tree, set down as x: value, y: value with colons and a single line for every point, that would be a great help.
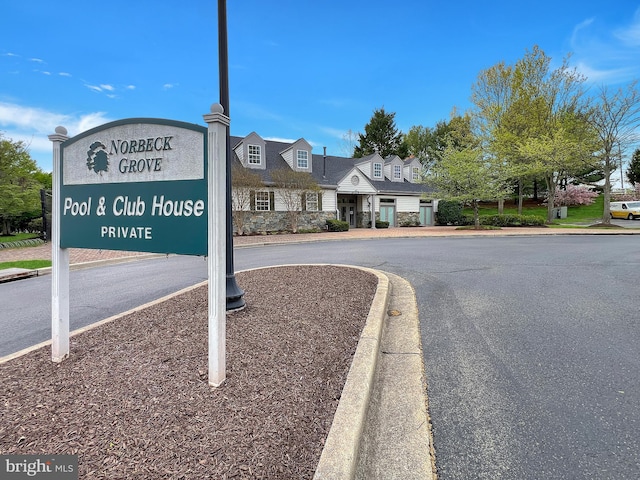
x: 633, y: 172
x: 381, y: 135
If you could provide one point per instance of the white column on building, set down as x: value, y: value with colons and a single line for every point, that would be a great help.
x: 373, y: 211
x: 59, y: 261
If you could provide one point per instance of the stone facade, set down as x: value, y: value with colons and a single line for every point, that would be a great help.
x: 363, y: 219
x: 408, y: 219
x: 272, y: 222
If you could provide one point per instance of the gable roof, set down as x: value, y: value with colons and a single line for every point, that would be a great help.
x: 327, y: 171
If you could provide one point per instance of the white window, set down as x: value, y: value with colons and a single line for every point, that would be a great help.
x: 377, y: 170
x: 255, y: 157
x: 303, y: 159
x: 262, y: 201
x: 312, y: 201
x: 415, y: 173
x: 397, y: 172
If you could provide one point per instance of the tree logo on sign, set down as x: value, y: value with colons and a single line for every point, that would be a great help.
x: 97, y: 158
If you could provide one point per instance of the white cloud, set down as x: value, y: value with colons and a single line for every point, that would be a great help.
x: 28, y: 118
x: 36, y: 60
x: 168, y: 86
x: 630, y: 34
x: 607, y: 54
x: 64, y: 74
x: 130, y: 87
x: 100, y: 88
x: 575, y: 35
x: 86, y: 122
x: 33, y: 126
x: 604, y: 75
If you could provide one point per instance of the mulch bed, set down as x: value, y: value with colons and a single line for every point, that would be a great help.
x: 133, y: 400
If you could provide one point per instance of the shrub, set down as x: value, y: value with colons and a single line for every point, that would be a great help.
x: 467, y: 220
x: 35, y: 225
x: 381, y: 224
x: 509, y: 220
x: 337, y: 225
x: 449, y: 212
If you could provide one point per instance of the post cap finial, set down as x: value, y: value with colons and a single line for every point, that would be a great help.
x: 217, y: 108
x: 61, y: 130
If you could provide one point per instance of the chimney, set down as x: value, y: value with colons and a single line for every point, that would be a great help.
x: 324, y: 163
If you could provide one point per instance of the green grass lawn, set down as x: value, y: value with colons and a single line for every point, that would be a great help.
x: 586, y: 214
x: 28, y: 264
x: 17, y: 237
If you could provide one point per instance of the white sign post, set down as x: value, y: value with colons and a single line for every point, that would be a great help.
x: 216, y: 262
x: 60, y: 263
x: 109, y: 206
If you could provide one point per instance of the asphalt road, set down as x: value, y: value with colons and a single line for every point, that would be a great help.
x: 95, y: 294
x: 530, y: 343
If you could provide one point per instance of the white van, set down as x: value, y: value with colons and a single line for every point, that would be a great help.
x: 628, y: 210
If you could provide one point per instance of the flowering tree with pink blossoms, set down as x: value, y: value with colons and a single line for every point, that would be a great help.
x: 574, y: 195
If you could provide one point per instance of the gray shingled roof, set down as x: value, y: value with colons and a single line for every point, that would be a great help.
x: 328, y: 173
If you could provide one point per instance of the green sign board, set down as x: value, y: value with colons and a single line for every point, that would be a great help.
x: 136, y: 184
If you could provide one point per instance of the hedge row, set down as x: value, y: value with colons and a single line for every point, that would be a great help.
x: 509, y: 220
x: 450, y: 213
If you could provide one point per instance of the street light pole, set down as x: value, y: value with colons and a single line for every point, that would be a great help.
x: 235, y: 295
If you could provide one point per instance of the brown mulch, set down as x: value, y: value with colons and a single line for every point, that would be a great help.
x: 133, y: 400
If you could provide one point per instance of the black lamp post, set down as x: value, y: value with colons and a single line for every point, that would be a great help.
x: 235, y: 295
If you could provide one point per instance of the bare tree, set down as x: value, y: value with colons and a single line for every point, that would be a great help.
x: 243, y: 182
x: 348, y: 143
x: 292, y: 188
x: 616, y: 119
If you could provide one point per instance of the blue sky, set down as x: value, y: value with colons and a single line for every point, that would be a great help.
x: 297, y: 69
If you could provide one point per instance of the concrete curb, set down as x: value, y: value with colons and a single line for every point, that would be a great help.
x: 397, y: 442
x: 10, y: 274
x: 340, y: 454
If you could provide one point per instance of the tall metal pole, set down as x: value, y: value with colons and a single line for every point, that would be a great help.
x: 235, y: 295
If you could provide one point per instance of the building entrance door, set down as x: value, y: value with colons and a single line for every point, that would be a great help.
x: 426, y: 215
x: 388, y: 214
x: 348, y: 214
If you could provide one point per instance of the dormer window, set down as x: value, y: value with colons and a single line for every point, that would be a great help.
x: 397, y: 172
x: 302, y: 159
x: 415, y: 173
x: 377, y: 170
x: 255, y: 155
